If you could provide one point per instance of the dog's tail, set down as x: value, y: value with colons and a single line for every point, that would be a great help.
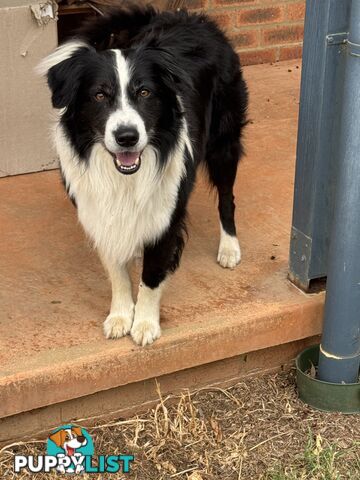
x: 116, y: 27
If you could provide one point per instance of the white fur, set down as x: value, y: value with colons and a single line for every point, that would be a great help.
x: 118, y: 322
x: 61, y: 54
x: 146, y: 326
x: 125, y: 115
x: 121, y: 213
x: 229, y: 254
x: 186, y: 131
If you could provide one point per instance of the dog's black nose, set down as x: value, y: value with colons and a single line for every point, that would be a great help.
x: 81, y: 438
x: 126, y: 136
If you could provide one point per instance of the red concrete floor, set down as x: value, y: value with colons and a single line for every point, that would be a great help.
x: 54, y: 295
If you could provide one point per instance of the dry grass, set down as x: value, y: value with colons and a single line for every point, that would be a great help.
x: 257, y: 429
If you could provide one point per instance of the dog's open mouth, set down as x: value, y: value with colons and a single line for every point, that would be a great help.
x: 70, y: 451
x: 127, y: 162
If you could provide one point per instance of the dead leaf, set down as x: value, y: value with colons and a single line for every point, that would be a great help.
x: 216, y: 428
x: 195, y: 476
x: 312, y: 371
x: 169, y: 467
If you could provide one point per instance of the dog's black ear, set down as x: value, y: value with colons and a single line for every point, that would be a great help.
x: 64, y: 81
x: 64, y: 69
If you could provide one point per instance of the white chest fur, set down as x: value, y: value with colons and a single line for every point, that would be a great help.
x: 121, y: 213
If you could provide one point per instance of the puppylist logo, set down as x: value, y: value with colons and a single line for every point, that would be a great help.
x: 70, y: 449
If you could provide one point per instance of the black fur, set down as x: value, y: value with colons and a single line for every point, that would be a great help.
x: 174, y: 54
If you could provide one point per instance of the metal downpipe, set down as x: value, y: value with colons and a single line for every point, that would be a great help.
x: 339, y: 358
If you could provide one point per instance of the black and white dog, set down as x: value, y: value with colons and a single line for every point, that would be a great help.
x: 143, y: 99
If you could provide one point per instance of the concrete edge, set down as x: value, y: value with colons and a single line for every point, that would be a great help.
x: 122, y: 402
x: 179, y: 349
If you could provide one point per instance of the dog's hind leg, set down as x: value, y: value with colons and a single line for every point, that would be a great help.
x: 222, y: 160
x: 223, y: 152
x: 160, y: 260
x: 118, y: 322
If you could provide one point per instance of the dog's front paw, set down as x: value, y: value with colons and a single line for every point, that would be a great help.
x: 229, y: 254
x: 117, y: 325
x: 79, y: 469
x: 145, y: 330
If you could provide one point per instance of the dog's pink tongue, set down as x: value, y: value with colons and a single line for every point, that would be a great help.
x: 70, y: 451
x: 127, y: 158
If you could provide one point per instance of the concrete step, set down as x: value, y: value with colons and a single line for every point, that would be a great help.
x: 55, y: 296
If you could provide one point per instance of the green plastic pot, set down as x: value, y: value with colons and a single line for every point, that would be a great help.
x: 329, y: 397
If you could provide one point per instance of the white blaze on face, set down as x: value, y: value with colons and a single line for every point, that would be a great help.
x: 73, y: 442
x: 125, y: 115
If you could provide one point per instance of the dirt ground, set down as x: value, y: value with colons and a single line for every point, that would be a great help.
x: 255, y: 430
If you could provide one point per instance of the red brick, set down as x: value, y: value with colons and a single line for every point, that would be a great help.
x: 267, y: 2
x: 290, y: 53
x: 259, y: 15
x: 295, y: 11
x: 249, y: 38
x: 234, y: 3
x: 195, y: 4
x: 252, y: 57
x: 283, y: 34
x: 224, y: 20
x: 189, y: 4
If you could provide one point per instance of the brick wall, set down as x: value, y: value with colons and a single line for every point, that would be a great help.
x: 262, y: 31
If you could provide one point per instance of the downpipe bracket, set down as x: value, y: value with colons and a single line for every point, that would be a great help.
x: 339, y: 38
x: 342, y: 38
x: 353, y: 49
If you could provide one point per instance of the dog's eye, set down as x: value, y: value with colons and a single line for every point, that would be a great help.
x: 144, y: 92
x: 99, y: 96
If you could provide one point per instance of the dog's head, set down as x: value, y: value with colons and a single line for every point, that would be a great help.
x: 69, y: 439
x: 126, y: 100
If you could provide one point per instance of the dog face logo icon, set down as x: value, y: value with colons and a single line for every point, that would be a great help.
x: 72, y: 442
x: 69, y: 439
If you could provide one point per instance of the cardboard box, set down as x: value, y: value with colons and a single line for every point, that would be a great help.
x: 25, y: 112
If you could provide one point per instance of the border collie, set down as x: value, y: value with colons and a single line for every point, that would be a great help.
x: 144, y: 98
